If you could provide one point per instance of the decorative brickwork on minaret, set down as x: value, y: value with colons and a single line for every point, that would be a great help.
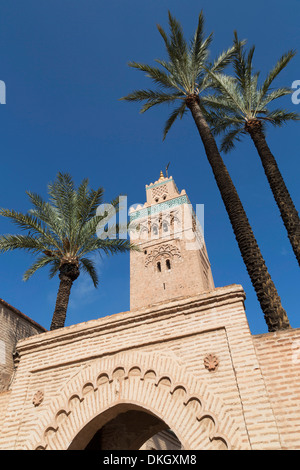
x: 172, y: 261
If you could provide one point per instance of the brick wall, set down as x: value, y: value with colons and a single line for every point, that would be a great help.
x: 14, y: 326
x: 279, y: 358
x: 169, y: 340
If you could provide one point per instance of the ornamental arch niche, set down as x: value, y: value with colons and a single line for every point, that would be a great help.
x: 157, y: 386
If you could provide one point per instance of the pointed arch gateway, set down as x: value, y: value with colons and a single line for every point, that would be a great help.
x: 142, y: 382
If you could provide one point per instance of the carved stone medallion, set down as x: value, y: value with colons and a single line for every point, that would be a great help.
x: 211, y: 362
x: 38, y: 398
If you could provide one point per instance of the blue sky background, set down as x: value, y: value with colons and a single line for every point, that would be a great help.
x: 64, y: 63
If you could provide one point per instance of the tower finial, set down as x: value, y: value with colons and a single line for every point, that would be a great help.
x: 161, y: 175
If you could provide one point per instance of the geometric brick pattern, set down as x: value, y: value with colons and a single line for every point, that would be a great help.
x: 159, y: 191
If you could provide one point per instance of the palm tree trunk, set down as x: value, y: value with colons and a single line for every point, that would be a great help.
x: 275, y: 315
x: 280, y: 192
x: 62, y: 300
x: 68, y: 274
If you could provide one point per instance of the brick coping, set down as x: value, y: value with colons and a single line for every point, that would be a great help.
x: 175, y: 306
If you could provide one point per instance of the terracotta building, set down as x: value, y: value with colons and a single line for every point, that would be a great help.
x: 181, y: 367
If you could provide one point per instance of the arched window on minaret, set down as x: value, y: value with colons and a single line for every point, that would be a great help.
x: 158, y: 267
x: 168, y: 264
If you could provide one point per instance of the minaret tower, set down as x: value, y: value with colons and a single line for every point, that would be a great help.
x: 172, y: 260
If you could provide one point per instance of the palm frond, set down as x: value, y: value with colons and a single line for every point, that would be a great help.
x: 223, y: 60
x: 25, y: 242
x: 157, y: 75
x: 278, y: 117
x: 86, y: 199
x: 219, y: 103
x: 199, y: 49
x: 177, y: 50
x: 254, y: 98
x: 89, y: 267
x: 63, y: 197
x: 152, y: 98
x: 178, y: 112
x: 177, y: 42
x: 243, y: 67
x: 24, y: 221
x: 197, y: 72
x: 46, y: 213
x: 55, y: 265
x: 87, y: 203
x: 103, y: 215
x: 239, y: 63
x: 248, y: 91
x: 39, y: 263
x: 114, y: 246
x: 160, y: 99
x: 61, y: 192
x: 197, y: 41
x: 221, y: 123
x: 279, y: 66
x: 32, y: 224
x: 227, y: 86
x: 273, y: 95
x: 228, y: 142
x: 140, y: 95
x: 107, y: 246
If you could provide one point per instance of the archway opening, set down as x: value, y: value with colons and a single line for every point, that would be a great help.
x: 126, y: 427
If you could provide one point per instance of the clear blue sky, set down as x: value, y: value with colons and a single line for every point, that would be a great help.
x: 64, y: 63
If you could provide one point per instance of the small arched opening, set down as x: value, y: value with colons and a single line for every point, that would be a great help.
x: 165, y: 227
x: 155, y: 230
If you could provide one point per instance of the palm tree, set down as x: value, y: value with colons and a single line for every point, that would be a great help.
x: 62, y: 233
x: 184, y: 79
x: 240, y: 106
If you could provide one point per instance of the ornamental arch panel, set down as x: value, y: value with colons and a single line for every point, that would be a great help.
x: 156, y: 384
